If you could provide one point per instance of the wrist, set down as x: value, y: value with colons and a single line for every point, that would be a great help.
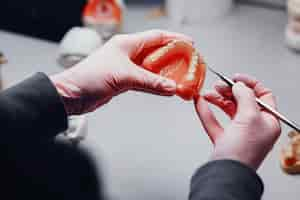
x: 244, y: 158
x: 70, y: 94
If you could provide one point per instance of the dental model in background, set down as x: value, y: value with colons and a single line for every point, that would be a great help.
x: 292, y: 33
x: 290, y: 155
x: 104, y: 16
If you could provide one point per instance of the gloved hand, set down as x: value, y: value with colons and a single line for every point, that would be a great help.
x: 252, y: 132
x: 110, y: 71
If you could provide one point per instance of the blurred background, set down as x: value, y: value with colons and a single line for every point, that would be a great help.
x: 148, y: 147
x: 37, y: 18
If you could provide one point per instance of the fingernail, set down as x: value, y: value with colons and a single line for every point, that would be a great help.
x: 169, y: 85
x: 240, y: 84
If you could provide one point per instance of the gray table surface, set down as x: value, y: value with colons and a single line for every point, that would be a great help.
x: 148, y: 147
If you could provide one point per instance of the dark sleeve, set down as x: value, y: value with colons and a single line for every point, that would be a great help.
x: 41, y: 169
x: 32, y: 109
x: 226, y: 180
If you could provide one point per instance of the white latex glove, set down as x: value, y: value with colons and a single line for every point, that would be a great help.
x: 252, y: 132
x: 110, y: 71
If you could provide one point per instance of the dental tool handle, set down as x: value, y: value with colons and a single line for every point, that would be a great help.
x: 270, y: 109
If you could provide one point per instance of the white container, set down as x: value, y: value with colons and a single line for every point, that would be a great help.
x: 175, y: 10
x: 78, y: 43
x: 194, y: 11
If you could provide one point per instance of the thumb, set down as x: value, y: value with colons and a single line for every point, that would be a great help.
x: 245, y: 98
x: 149, y: 82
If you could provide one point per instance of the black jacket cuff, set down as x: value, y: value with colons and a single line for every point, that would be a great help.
x: 226, y: 179
x: 33, y: 109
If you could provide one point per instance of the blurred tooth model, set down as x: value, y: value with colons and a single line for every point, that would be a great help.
x: 290, y: 155
x: 2, y: 61
x: 105, y: 16
x: 77, y: 44
x: 2, y: 58
x: 292, y: 33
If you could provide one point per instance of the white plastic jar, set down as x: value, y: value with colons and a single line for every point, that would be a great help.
x: 194, y: 11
